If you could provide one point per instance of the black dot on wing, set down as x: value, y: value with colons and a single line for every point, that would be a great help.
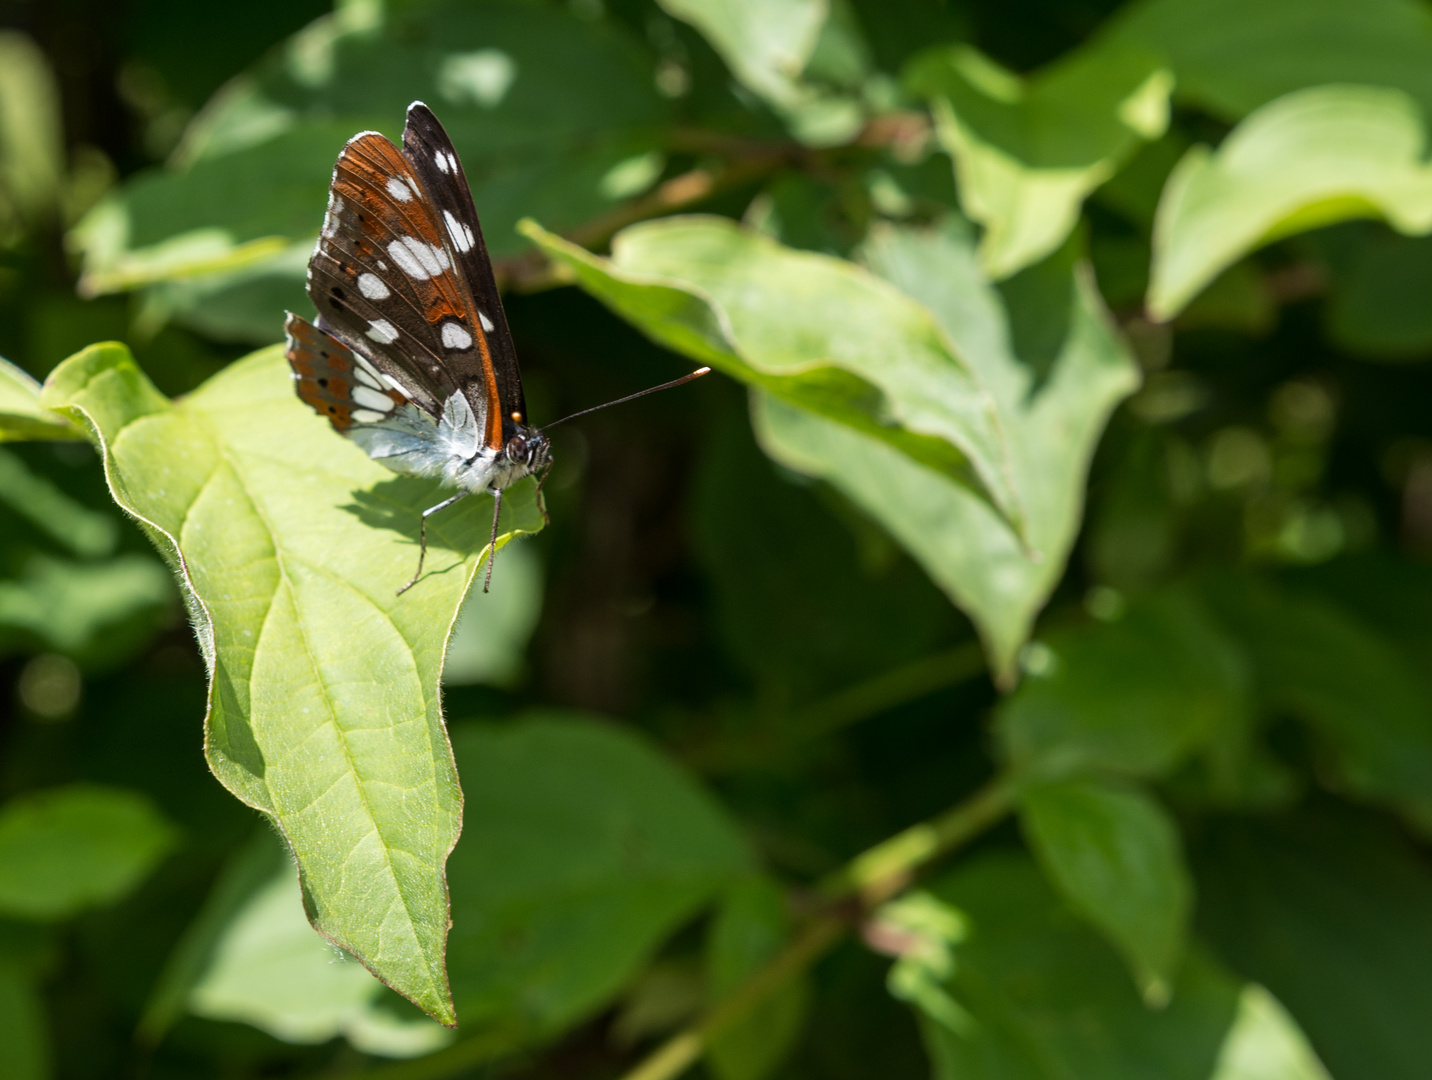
x: 322, y: 382
x: 338, y: 294
x: 338, y: 305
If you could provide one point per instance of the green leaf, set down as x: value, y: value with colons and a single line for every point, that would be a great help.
x: 1050, y: 1000
x: 770, y: 44
x: 32, y: 151
x: 1055, y: 370
x: 1115, y: 855
x: 83, y: 609
x: 323, y: 700
x: 23, y: 1028
x: 750, y: 927
x: 63, y: 850
x: 1328, y: 910
x: 88, y: 533
x: 1231, y: 56
x: 21, y: 416
x: 1375, y: 307
x: 489, y: 642
x: 1306, y: 160
x: 1135, y: 696
x: 583, y: 849
x: 818, y: 332
x: 1321, y: 663
x: 541, y: 105
x: 1265, y: 1043
x: 1028, y: 152
x: 266, y: 967
x: 765, y: 43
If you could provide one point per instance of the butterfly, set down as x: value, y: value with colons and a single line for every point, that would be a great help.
x: 410, y: 355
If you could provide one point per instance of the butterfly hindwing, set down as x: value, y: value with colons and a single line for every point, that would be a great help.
x: 387, y: 283
x: 335, y: 381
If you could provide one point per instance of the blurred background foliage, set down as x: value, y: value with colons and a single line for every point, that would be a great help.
x: 1177, y: 705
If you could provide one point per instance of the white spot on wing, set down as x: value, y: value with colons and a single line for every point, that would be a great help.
x: 371, y: 286
x: 395, y: 384
x: 455, y: 336
x: 366, y: 416
x: 399, y: 189
x: 460, y: 233
x: 372, y: 399
x: 367, y: 376
x: 382, y: 331
x: 417, y: 259
x: 486, y: 322
x: 441, y: 159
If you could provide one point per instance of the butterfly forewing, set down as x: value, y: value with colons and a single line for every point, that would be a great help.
x: 430, y: 152
x: 387, y: 283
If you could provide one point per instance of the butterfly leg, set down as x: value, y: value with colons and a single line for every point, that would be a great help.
x: 492, y: 545
x: 541, y: 502
x: 423, y: 538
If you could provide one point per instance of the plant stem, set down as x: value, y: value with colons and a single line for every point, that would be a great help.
x: 872, y: 877
x: 841, y: 710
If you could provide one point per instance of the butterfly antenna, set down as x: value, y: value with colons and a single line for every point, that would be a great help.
x: 631, y: 397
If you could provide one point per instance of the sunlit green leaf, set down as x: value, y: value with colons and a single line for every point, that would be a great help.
x: 323, y: 707
x: 66, y: 849
x: 1027, y: 153
x: 1054, y: 369
x: 769, y: 45
x: 21, y: 416
x: 750, y: 927
x: 1265, y: 1043
x: 817, y: 332
x: 1133, y: 696
x: 582, y: 849
x: 765, y: 43
x: 1308, y: 159
x: 1115, y: 855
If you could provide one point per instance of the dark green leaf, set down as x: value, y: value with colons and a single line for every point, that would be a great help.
x: 1133, y: 696
x: 1115, y: 855
x: 1050, y: 1001
x: 1231, y: 56
x: 582, y: 850
x: 1329, y: 911
x: 750, y: 927
x: 1355, y: 687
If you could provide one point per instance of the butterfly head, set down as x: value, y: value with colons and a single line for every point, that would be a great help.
x: 528, y: 448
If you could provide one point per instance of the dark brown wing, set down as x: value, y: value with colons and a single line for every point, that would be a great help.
x: 386, y: 281
x: 427, y: 147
